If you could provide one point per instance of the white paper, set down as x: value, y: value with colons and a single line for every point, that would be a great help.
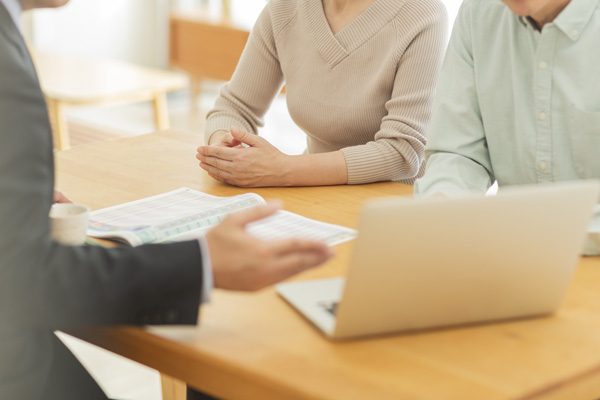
x: 184, y: 214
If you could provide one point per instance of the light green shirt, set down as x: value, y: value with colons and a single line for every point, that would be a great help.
x: 517, y: 105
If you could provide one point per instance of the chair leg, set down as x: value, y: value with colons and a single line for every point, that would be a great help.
x: 58, y: 121
x: 195, y: 85
x: 161, y: 111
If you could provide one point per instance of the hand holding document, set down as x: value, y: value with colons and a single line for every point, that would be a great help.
x: 184, y: 214
x: 241, y: 261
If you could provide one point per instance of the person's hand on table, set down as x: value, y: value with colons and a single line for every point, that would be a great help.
x: 258, y: 165
x: 59, y: 197
x: 242, y: 262
x: 224, y: 139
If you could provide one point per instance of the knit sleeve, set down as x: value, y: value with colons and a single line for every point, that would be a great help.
x: 397, y: 152
x: 256, y: 81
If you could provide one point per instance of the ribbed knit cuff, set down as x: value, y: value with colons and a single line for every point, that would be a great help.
x: 369, y: 163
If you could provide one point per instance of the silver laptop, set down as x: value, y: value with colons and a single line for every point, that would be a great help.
x: 430, y: 263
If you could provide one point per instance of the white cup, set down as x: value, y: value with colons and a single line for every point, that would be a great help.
x: 68, y: 223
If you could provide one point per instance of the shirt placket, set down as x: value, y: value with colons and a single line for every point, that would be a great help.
x: 543, y: 66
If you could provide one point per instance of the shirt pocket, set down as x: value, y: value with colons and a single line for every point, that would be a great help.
x: 583, y: 129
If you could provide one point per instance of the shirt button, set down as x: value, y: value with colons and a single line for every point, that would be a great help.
x: 543, y: 166
x: 574, y: 32
x: 543, y: 65
x: 543, y: 116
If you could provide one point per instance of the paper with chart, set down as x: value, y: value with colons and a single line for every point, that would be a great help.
x: 184, y: 213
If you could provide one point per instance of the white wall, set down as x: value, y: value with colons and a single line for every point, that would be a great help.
x: 452, y: 6
x: 129, y: 30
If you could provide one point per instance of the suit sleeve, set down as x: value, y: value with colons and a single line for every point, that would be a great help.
x: 46, y: 284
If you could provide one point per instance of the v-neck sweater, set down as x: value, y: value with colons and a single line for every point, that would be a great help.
x: 367, y: 90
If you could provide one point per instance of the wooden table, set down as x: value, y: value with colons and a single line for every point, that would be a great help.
x: 255, y: 346
x: 72, y: 81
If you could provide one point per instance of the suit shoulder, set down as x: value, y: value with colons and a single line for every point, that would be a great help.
x: 16, y: 69
x: 10, y: 51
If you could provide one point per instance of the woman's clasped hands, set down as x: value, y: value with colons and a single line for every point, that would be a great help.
x: 242, y: 159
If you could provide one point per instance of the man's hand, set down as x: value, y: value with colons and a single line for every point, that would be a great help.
x: 242, y: 262
x: 61, y: 198
x: 258, y: 165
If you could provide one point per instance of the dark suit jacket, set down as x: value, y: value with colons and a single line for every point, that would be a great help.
x: 45, y: 286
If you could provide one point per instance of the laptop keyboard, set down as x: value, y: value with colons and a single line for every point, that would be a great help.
x: 329, y: 306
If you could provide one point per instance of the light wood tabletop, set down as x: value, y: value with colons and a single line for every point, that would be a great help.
x: 69, y: 80
x: 255, y: 346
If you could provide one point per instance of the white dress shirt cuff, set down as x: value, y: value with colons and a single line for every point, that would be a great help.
x: 207, y: 273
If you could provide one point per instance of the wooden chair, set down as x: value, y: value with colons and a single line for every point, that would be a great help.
x: 206, y: 44
x: 69, y: 81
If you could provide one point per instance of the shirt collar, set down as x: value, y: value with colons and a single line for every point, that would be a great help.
x: 573, y: 19
x: 14, y: 9
x: 526, y: 22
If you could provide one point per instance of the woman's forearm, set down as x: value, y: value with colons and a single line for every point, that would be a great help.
x: 317, y: 169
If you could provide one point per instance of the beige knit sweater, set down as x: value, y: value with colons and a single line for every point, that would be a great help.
x: 367, y: 90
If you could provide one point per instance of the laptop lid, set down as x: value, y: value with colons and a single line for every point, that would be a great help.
x: 428, y: 263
